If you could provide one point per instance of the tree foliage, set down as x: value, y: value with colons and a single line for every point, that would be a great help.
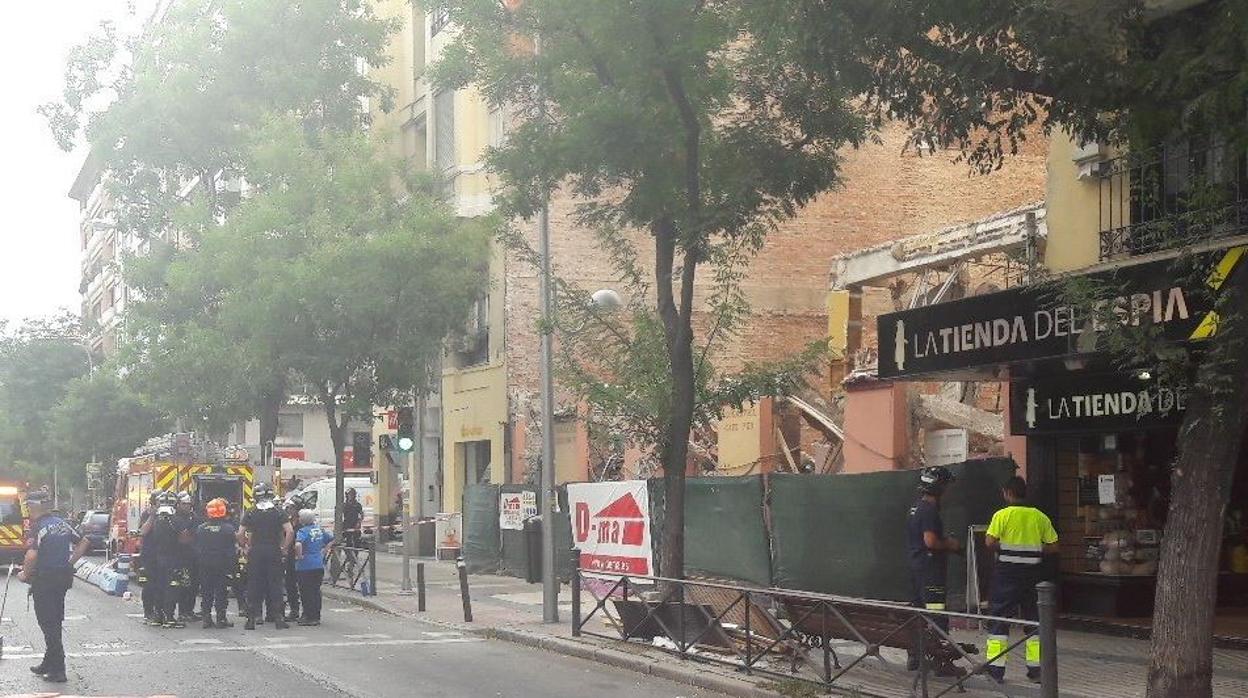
x: 171, y: 108
x: 696, y: 122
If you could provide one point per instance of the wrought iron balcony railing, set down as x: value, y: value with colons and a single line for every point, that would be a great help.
x: 1171, y: 196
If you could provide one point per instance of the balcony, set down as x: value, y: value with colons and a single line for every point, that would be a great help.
x: 1174, y: 195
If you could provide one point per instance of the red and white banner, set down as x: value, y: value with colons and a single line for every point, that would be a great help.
x: 611, y: 526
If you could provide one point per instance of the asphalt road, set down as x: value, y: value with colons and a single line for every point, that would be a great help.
x: 355, y: 652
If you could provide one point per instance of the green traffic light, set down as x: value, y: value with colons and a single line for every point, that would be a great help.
x: 406, y: 443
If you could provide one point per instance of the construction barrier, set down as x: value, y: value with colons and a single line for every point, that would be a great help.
x: 839, y: 534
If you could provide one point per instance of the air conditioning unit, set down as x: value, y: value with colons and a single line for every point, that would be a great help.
x: 1090, y: 158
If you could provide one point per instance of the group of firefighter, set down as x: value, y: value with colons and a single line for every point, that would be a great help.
x: 272, y: 559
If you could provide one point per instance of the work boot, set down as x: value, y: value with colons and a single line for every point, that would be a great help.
x: 176, y: 623
x: 56, y: 676
x: 208, y: 624
x: 250, y: 625
x: 996, y: 673
x: 153, y: 621
x: 281, y: 624
x: 292, y: 617
x: 1033, y: 674
x: 223, y: 622
x: 38, y: 669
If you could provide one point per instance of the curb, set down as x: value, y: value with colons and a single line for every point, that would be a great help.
x: 677, y: 673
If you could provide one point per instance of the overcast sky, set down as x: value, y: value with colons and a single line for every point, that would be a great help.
x: 39, y: 237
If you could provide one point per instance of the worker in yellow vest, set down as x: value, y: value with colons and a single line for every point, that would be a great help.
x: 1021, y: 536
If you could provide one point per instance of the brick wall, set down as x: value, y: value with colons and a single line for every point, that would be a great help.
x: 886, y: 194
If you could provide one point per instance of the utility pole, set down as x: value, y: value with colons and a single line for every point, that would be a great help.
x: 550, y: 585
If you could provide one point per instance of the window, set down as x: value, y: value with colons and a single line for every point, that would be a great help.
x: 290, y: 428
x: 309, y: 499
x: 10, y: 512
x: 444, y: 130
x: 438, y: 20
x: 498, y: 127
x: 472, y: 347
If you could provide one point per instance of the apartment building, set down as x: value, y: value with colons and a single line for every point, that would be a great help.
x: 489, y: 417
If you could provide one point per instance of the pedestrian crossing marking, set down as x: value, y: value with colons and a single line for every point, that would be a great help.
x: 117, y: 645
x: 252, y: 648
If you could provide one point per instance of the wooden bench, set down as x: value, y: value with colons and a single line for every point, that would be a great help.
x: 872, y: 626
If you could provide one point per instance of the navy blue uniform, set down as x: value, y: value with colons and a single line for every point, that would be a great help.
x: 217, y: 555
x: 264, y: 561
x: 928, y: 568
x: 54, y: 540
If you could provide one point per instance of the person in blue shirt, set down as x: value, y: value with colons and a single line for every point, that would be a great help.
x: 52, y: 548
x: 311, y: 542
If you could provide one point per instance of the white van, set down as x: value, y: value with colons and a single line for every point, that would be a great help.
x: 319, y: 497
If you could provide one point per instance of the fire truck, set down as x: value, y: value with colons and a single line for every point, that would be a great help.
x: 182, y: 462
x: 14, y: 522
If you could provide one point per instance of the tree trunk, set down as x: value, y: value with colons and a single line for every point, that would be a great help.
x: 337, y: 437
x: 678, y: 330
x: 1181, y: 656
x: 270, y: 406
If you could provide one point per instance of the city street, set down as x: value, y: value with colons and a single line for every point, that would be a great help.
x: 355, y: 652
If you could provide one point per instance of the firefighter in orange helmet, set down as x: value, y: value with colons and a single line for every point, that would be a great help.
x: 217, y: 554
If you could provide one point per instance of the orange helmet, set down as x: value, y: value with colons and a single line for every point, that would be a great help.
x: 216, y: 509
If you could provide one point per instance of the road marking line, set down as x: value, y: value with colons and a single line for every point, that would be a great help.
x: 200, y: 641
x: 69, y: 618
x: 446, y: 634
x: 343, y: 610
x: 135, y: 615
x: 368, y: 636
x: 253, y: 648
x: 285, y: 638
x: 116, y: 645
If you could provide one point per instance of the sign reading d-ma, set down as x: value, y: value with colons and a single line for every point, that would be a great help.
x: 1036, y: 322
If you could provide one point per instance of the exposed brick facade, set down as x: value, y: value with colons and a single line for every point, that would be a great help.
x: 887, y: 194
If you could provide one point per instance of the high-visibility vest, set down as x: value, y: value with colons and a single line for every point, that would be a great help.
x: 1022, y: 533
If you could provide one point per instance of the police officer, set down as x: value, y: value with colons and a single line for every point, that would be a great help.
x: 147, y: 562
x: 266, y: 535
x: 928, y: 549
x: 293, y: 505
x: 51, y: 551
x: 1021, y: 536
x: 216, y: 553
x: 187, y: 520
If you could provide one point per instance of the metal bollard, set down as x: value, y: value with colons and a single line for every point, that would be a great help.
x: 576, y: 592
x: 420, y: 586
x: 1046, y: 602
x: 372, y: 571
x: 463, y: 588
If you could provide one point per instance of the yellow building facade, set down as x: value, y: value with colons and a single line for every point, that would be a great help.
x: 447, y: 132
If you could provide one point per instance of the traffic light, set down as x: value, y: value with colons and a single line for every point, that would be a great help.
x: 405, y: 440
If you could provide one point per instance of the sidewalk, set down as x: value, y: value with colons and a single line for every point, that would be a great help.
x: 1090, y: 665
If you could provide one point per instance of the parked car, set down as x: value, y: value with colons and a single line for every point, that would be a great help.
x: 94, y: 527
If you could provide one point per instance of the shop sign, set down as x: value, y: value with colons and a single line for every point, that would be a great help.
x: 1036, y: 322
x: 1093, y: 403
x: 514, y: 508
x: 611, y: 526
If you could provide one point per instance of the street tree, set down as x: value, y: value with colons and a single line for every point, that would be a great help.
x: 101, y: 419
x: 39, y: 359
x: 347, y: 265
x: 978, y: 75
x: 693, y: 124
x: 170, y: 111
